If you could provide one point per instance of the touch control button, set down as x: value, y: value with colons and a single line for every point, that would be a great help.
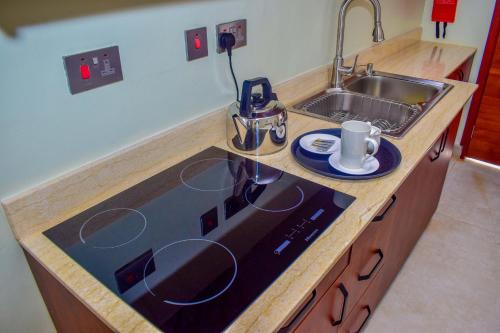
x: 280, y: 248
x: 317, y: 214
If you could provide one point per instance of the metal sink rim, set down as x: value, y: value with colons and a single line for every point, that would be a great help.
x: 443, y: 89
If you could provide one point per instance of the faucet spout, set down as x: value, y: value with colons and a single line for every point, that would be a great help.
x: 378, y: 36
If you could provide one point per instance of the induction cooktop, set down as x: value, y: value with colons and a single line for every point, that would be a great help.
x: 193, y: 246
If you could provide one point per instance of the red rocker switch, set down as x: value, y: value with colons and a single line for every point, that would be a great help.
x: 196, y: 43
x: 85, y: 72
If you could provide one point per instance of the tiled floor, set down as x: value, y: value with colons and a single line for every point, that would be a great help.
x: 451, y: 281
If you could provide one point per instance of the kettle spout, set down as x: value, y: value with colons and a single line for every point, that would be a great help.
x: 241, y: 128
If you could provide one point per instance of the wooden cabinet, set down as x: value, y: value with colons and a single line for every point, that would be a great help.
x: 367, y: 257
x: 381, y: 250
x: 67, y: 312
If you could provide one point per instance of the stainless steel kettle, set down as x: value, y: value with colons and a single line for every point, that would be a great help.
x: 258, y: 124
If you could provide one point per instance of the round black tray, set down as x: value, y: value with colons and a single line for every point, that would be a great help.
x: 388, y: 156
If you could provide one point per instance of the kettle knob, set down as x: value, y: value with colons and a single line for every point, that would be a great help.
x: 256, y: 98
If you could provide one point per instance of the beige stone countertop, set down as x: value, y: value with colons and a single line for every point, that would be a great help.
x: 286, y: 294
x: 427, y: 60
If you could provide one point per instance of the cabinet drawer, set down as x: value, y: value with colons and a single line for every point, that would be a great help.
x: 363, y: 310
x: 369, y: 252
x: 333, y: 275
x: 359, y: 316
x: 309, y: 305
x: 330, y: 311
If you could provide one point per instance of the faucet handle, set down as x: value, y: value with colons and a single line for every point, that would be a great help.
x: 352, y: 70
x: 369, y: 69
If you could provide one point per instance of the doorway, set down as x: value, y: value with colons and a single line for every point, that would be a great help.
x: 481, y: 139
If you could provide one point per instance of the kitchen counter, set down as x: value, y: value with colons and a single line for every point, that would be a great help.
x: 285, y: 295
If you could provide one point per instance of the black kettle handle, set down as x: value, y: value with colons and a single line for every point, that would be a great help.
x: 246, y: 94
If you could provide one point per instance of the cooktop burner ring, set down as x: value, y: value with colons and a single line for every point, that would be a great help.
x: 297, y: 204
x: 208, y: 299
x: 144, y: 219
x: 185, y: 182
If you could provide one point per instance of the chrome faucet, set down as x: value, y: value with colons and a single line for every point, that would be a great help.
x: 339, y: 70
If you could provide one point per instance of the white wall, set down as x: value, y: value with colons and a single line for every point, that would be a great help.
x: 471, y: 28
x: 397, y: 17
x: 45, y: 131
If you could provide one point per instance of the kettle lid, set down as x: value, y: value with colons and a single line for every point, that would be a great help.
x: 256, y: 105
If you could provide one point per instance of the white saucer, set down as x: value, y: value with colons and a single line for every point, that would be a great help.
x: 307, y: 140
x: 370, y: 165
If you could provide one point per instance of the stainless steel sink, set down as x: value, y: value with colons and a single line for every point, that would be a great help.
x: 392, y: 102
x: 394, y: 87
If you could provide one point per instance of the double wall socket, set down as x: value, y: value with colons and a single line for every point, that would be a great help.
x: 93, y: 69
x: 238, y: 29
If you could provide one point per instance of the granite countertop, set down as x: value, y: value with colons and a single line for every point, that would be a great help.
x: 286, y: 294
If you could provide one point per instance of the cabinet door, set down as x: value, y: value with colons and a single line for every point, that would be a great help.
x: 414, y: 203
x: 418, y: 198
x: 432, y: 172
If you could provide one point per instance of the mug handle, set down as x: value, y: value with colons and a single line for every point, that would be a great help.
x: 375, y: 147
x: 373, y: 129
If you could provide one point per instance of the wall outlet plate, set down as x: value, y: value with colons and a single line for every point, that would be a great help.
x: 238, y: 29
x: 89, y: 70
x: 196, y: 43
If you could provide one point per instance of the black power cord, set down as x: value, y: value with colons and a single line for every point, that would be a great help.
x: 227, y: 41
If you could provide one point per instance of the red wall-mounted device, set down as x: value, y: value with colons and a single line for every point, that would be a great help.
x: 444, y: 11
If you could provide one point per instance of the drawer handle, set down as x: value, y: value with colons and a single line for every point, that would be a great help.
x: 438, y: 153
x: 369, y: 275
x: 291, y: 323
x: 444, y: 141
x: 367, y: 308
x: 382, y: 216
x: 345, y: 294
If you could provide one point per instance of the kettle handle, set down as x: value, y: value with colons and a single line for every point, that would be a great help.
x: 246, y: 94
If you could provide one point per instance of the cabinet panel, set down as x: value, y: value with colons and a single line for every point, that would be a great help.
x: 67, y: 312
x: 418, y: 198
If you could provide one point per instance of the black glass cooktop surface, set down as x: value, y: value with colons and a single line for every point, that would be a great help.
x: 193, y: 246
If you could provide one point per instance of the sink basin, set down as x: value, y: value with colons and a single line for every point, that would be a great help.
x: 392, y: 102
x: 339, y: 106
x: 398, y: 88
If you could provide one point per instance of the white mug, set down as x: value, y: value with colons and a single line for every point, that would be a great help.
x: 355, y: 143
